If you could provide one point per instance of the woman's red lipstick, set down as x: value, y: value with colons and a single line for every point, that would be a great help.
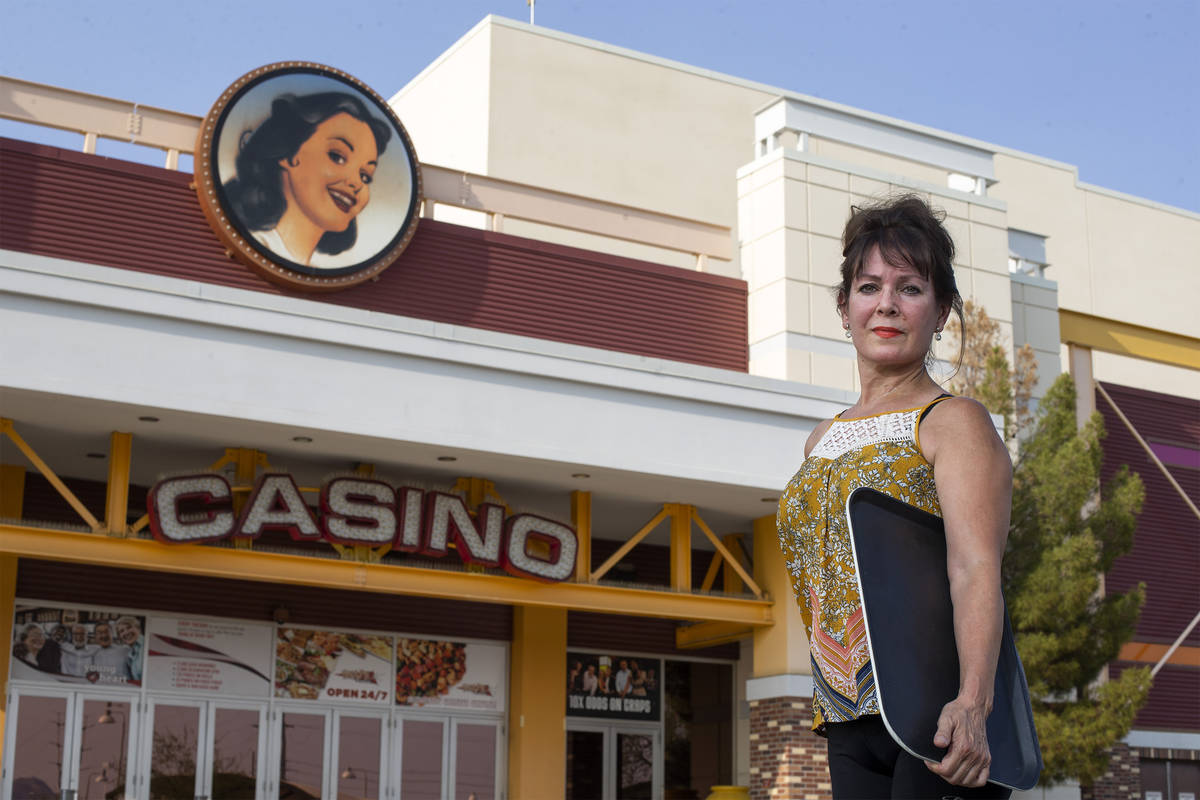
x: 886, y: 333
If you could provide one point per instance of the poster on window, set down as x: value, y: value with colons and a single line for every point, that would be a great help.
x: 613, y: 686
x: 440, y: 674
x: 327, y: 665
x: 75, y: 645
x: 209, y: 656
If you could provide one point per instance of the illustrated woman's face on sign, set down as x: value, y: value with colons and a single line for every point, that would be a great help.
x: 329, y: 178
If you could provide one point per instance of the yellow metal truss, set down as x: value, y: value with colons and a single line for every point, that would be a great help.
x: 115, y: 543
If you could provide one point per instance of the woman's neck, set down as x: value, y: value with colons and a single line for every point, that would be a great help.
x: 299, y: 234
x: 890, y: 390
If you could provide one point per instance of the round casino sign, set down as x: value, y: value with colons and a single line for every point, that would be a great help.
x: 308, y: 176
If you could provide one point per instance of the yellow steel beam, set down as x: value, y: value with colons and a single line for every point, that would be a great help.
x: 731, y: 580
x: 12, y: 491
x: 1150, y: 653
x: 6, y: 427
x: 710, y: 575
x: 1124, y: 339
x: 729, y: 557
x: 537, y: 738
x: 612, y: 560
x: 256, y: 565
x: 581, y: 517
x: 681, y: 546
x: 710, y: 634
x: 116, y: 505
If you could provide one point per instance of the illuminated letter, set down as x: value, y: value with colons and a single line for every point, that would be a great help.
x: 276, y: 505
x: 448, y: 517
x: 409, y: 503
x: 358, y: 511
x: 196, y: 508
x: 557, y: 564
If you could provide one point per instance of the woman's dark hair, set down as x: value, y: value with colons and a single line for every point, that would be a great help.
x: 255, y: 195
x: 910, y: 234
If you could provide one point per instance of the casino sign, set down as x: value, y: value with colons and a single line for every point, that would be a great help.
x: 356, y: 511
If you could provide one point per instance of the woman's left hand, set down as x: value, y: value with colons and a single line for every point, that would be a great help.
x: 962, y: 727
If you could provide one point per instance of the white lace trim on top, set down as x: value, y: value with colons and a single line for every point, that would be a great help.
x: 845, y: 435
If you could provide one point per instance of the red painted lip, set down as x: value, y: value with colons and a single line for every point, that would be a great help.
x: 343, y: 200
x: 886, y: 333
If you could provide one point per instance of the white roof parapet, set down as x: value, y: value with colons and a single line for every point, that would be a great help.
x: 574, y: 212
x: 790, y: 113
x: 121, y: 120
x: 90, y: 114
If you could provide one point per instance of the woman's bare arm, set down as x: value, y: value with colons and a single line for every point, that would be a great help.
x: 973, y: 474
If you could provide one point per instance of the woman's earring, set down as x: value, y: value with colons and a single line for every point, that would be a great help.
x: 846, y: 325
x: 938, y: 334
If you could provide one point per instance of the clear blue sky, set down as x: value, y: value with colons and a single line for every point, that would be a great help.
x: 1112, y: 86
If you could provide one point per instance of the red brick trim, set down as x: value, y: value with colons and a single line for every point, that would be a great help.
x: 787, y: 760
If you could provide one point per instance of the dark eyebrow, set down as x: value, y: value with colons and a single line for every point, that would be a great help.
x: 344, y: 141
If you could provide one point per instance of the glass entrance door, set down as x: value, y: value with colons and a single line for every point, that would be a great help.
x: 328, y: 753
x: 360, y: 745
x: 202, y: 750
x: 613, y: 762
x: 68, y: 745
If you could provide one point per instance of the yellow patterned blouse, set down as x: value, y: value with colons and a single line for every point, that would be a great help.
x: 883, y: 452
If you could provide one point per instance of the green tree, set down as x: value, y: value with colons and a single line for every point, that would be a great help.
x: 1063, y: 537
x: 985, y: 374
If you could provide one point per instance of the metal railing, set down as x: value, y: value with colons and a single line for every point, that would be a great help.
x: 96, y: 117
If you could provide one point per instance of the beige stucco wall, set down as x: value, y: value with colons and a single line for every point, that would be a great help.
x: 525, y: 104
x: 1035, y: 322
x: 446, y: 108
x: 873, y: 159
x: 615, y: 127
x: 792, y: 207
x: 1112, y: 256
x: 549, y: 109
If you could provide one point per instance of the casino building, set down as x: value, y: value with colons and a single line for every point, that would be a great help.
x: 498, y: 521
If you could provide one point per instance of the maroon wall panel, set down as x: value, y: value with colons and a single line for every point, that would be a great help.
x: 130, y: 216
x: 222, y: 597
x: 1166, y: 548
x: 1174, y: 701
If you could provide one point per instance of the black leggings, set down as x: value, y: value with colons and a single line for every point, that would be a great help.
x: 865, y: 763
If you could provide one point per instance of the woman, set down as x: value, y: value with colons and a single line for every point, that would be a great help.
x: 129, y: 631
x: 304, y: 174
x: 35, y: 649
x: 906, y: 438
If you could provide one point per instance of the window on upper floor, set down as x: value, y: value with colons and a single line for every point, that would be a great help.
x: 971, y: 184
x: 1026, y: 253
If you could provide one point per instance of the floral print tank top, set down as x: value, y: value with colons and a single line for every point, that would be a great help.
x: 880, y: 451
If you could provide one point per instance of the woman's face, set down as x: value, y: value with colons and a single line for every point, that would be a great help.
x: 127, y: 633
x: 35, y: 640
x: 892, y: 313
x: 329, y: 177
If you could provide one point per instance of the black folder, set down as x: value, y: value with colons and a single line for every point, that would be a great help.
x: 900, y: 559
